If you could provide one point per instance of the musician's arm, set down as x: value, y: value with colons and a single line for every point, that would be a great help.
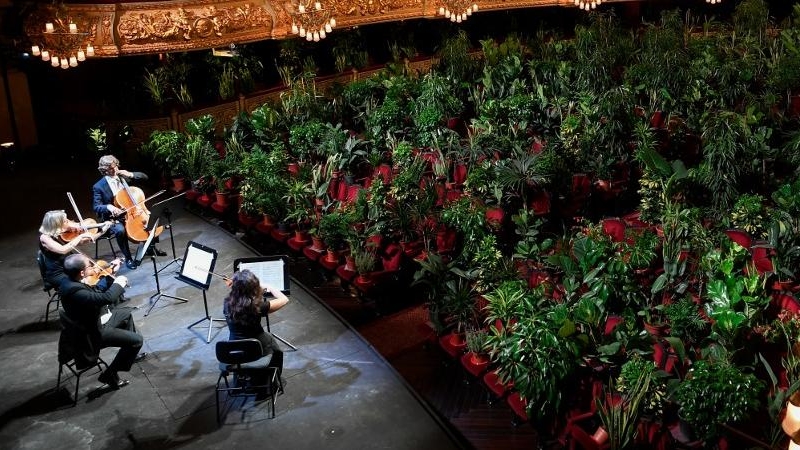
x: 133, y: 176
x: 278, y: 302
x: 62, y: 249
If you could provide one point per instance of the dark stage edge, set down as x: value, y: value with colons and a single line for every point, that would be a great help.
x: 340, y: 393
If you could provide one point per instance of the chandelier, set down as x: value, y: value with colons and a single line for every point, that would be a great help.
x: 312, y: 21
x: 714, y: 2
x: 62, y: 44
x: 589, y: 4
x: 457, y: 10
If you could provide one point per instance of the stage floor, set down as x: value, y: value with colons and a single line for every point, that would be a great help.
x: 339, y: 392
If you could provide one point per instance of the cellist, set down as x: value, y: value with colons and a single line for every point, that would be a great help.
x: 103, y: 193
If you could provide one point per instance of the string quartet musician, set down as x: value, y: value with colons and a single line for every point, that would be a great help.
x: 245, y: 306
x: 103, y: 193
x: 54, y: 248
x: 96, y: 311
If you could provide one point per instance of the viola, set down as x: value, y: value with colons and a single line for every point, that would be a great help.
x: 101, y: 269
x: 132, y: 200
x: 75, y: 229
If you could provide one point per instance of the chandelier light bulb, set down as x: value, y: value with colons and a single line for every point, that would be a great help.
x: 73, y: 28
x: 73, y: 61
x: 309, y: 37
x: 64, y: 63
x: 328, y: 28
x: 316, y: 36
x: 474, y: 7
x: 81, y: 55
x: 302, y: 31
x: 48, y: 27
x: 333, y: 22
x: 469, y: 12
x: 447, y: 13
x: 54, y: 61
x: 35, y: 50
x: 45, y: 55
x: 301, y: 8
x: 441, y: 10
x: 89, y: 50
x: 295, y: 30
x: 322, y: 34
x: 317, y: 6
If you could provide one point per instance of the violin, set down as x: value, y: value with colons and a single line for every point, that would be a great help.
x: 101, y: 269
x: 132, y: 199
x: 75, y: 229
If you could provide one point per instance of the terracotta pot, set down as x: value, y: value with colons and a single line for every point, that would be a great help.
x: 332, y: 256
x: 178, y: 184
x: 363, y: 278
x: 301, y: 236
x: 458, y: 340
x: 222, y: 198
x: 269, y: 221
x: 317, y: 243
x: 600, y: 436
x: 478, y: 359
x: 656, y: 330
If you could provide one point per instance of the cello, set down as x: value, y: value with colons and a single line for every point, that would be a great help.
x: 132, y: 199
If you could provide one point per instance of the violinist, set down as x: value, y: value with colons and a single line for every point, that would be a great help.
x: 243, y: 308
x: 58, y: 237
x: 96, y: 310
x: 103, y: 193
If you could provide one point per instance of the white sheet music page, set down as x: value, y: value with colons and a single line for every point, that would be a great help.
x: 268, y: 272
x: 197, y: 264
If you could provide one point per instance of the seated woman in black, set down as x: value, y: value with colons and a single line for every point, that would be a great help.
x: 243, y: 308
x: 55, y: 249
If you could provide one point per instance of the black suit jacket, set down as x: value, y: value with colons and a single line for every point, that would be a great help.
x: 102, y: 195
x: 84, y: 304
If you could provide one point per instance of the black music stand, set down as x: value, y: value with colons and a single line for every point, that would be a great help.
x: 269, y: 270
x: 197, y: 268
x: 139, y: 255
x: 158, y: 210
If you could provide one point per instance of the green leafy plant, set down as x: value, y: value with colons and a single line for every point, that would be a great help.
x: 716, y: 392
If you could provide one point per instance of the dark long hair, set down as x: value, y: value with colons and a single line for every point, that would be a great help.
x: 244, y: 301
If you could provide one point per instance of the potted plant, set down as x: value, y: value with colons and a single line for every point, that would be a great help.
x: 364, y: 262
x: 334, y: 228
x: 476, y: 345
x: 167, y: 148
x: 715, y: 393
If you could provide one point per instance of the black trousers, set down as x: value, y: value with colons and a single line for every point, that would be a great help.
x: 120, y: 331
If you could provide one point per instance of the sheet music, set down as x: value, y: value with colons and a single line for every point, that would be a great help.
x: 268, y: 272
x: 197, y: 264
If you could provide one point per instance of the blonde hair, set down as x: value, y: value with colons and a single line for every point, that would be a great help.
x: 105, y: 162
x: 53, y: 222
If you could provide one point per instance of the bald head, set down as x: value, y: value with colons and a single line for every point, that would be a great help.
x: 74, y: 265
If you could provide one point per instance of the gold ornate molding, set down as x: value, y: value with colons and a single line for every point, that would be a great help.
x: 157, y: 27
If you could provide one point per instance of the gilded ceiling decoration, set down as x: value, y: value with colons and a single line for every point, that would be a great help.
x: 155, y: 27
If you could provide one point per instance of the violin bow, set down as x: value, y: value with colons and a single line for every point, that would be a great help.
x: 125, y: 211
x: 77, y: 211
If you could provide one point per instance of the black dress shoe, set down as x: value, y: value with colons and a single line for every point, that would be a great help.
x: 155, y: 251
x: 112, y: 380
x: 130, y: 264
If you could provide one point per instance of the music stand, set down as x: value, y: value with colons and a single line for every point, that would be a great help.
x: 197, y: 268
x: 139, y: 255
x: 269, y: 270
x: 158, y: 210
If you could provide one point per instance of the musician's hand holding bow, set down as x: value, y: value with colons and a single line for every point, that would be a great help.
x: 280, y: 299
x: 115, y: 211
x: 115, y: 265
x: 121, y: 280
